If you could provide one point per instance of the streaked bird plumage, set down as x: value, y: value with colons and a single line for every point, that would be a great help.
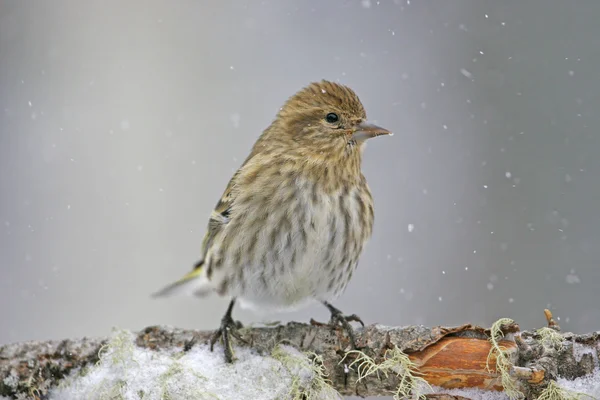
x: 295, y: 217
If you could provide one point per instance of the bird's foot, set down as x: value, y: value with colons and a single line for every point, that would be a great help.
x: 338, y: 319
x: 229, y: 328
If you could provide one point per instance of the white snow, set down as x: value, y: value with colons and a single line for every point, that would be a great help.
x: 579, y: 350
x: 589, y: 385
x: 466, y: 73
x: 474, y: 394
x: 572, y: 279
x: 126, y: 371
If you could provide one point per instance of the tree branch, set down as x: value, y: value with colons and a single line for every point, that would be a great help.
x: 447, y: 357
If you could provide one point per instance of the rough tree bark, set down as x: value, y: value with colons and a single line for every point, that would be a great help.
x: 450, y: 357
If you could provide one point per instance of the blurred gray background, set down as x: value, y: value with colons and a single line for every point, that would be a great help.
x: 121, y: 123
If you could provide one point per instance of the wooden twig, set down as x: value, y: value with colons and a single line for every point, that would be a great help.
x: 448, y: 357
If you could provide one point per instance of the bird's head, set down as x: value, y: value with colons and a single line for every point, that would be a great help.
x: 327, y: 117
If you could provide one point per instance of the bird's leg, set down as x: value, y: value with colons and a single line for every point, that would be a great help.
x: 228, y: 328
x: 337, y: 317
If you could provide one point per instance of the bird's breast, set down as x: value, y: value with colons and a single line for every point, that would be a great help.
x: 308, y: 247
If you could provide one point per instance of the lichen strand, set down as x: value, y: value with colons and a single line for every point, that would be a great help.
x: 554, y: 392
x: 550, y: 339
x: 176, y: 371
x: 120, y: 358
x: 503, y: 361
x: 118, y: 353
x: 309, y: 377
x: 394, y: 362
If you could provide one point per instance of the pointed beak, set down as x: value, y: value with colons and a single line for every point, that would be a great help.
x: 366, y: 130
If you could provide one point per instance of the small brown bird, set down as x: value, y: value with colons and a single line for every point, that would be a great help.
x: 294, y: 218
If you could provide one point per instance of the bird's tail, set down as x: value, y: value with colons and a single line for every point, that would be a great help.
x: 193, y: 283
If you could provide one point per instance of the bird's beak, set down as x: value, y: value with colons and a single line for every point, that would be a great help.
x: 366, y: 130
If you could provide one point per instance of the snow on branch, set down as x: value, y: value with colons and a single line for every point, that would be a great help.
x: 309, y: 361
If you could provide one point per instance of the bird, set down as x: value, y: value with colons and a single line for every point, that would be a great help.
x: 294, y: 219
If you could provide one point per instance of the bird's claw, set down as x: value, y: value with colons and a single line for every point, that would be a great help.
x: 228, y: 328
x: 189, y: 344
x: 339, y: 319
x: 354, y: 318
x: 344, y: 322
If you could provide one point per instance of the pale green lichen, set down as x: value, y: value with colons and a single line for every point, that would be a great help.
x: 37, y: 386
x: 120, y: 349
x: 119, y: 353
x: 503, y: 362
x: 550, y: 338
x: 112, y: 391
x: 308, y: 374
x: 554, y: 392
x: 394, y: 362
x: 176, y: 370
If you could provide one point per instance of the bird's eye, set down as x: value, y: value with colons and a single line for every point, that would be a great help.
x: 331, y: 118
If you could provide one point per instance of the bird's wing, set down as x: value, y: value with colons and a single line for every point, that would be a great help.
x: 223, y: 210
x: 220, y: 215
x: 195, y: 281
